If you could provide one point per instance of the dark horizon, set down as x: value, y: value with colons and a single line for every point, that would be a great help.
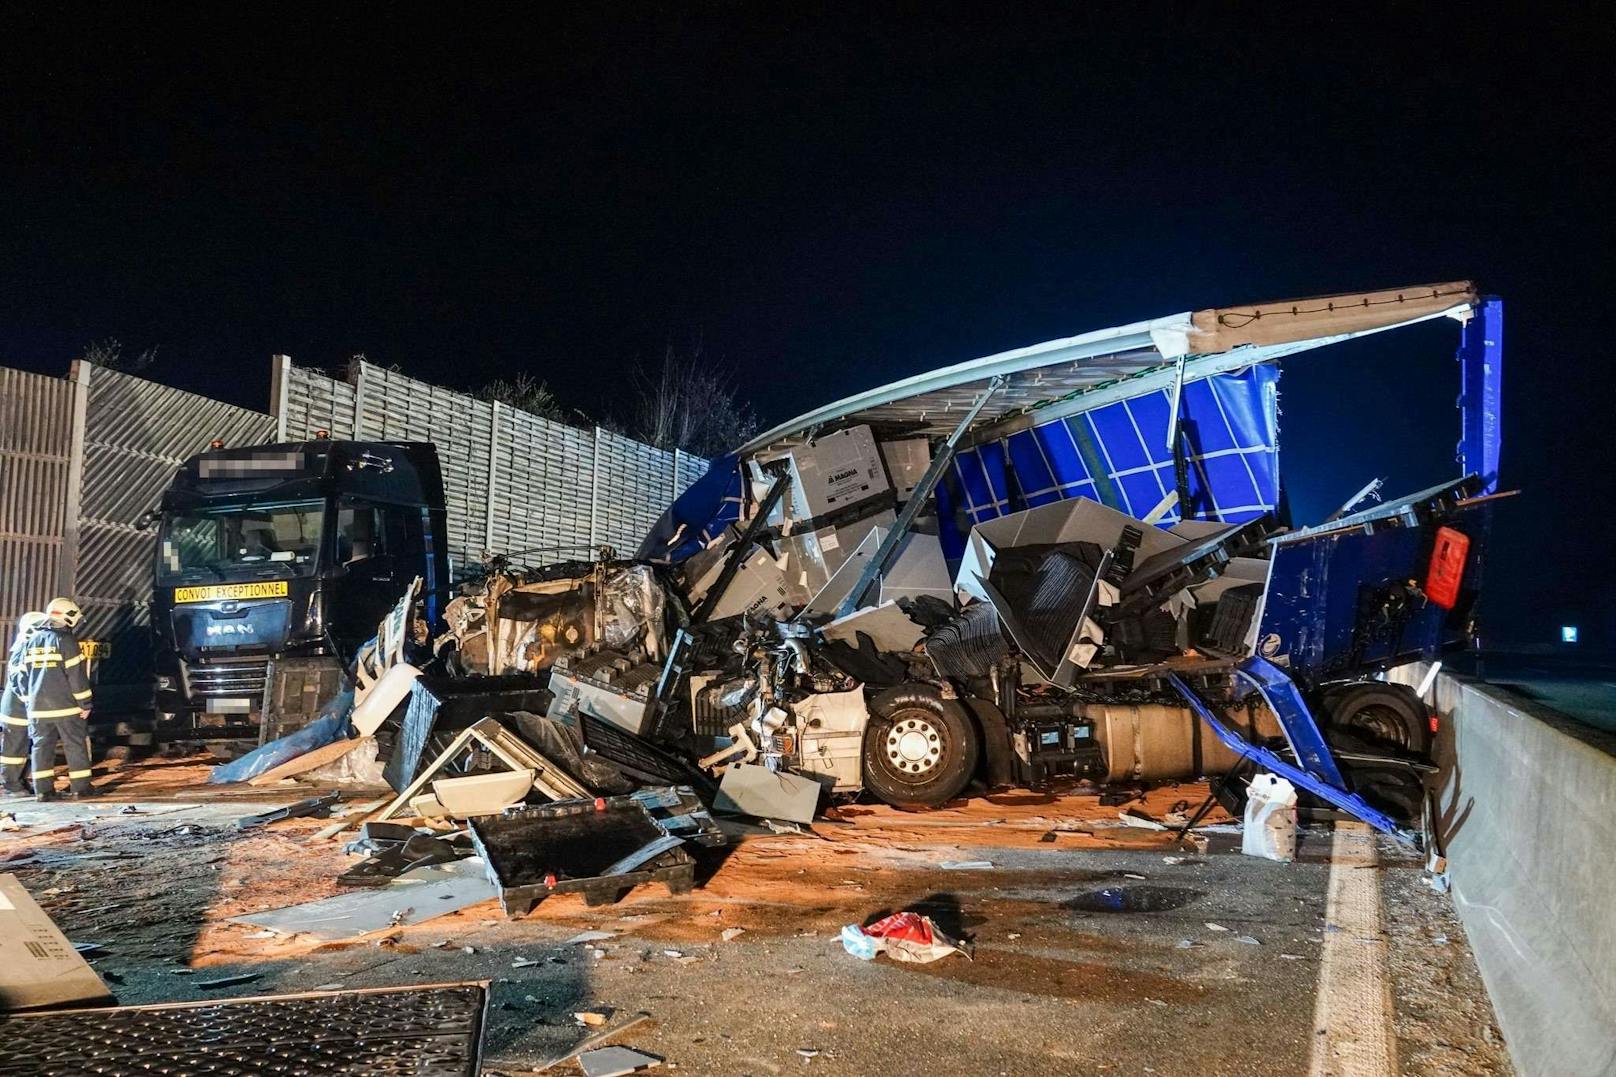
x: 830, y: 203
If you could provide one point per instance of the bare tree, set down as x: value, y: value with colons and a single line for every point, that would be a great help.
x: 690, y: 404
x: 109, y: 355
x: 525, y: 393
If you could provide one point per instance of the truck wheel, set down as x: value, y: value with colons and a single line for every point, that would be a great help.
x: 1383, y: 716
x: 919, y: 749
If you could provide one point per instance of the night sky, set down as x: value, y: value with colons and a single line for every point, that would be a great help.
x: 827, y: 202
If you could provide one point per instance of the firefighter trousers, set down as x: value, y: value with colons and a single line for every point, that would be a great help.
x: 73, y: 732
x: 13, y: 742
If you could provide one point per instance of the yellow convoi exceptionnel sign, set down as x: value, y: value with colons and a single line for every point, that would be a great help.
x: 218, y: 592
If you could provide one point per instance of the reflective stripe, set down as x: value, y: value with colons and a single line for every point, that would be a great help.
x: 13, y: 760
x: 82, y: 695
x: 75, y: 660
x: 9, y: 720
x: 47, y: 775
x: 64, y: 713
x: 80, y: 773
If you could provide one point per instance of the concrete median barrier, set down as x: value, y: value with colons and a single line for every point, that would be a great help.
x: 1527, y: 808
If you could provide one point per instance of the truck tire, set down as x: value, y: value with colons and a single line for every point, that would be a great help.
x: 1386, y: 717
x: 920, y: 750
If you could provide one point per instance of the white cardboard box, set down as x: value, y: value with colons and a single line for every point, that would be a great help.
x: 834, y: 472
x: 39, y: 968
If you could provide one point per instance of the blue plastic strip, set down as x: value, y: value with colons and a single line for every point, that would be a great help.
x: 1481, y: 392
x: 1282, y: 697
x: 1350, y: 803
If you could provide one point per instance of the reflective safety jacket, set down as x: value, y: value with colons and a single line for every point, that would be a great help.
x: 57, y: 686
x: 16, y: 672
x: 15, y: 690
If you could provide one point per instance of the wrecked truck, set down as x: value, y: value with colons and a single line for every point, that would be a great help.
x: 1066, y: 562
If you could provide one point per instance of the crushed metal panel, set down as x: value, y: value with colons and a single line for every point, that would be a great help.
x: 767, y: 794
x: 1078, y: 520
x: 420, y: 895
x: 432, y: 1029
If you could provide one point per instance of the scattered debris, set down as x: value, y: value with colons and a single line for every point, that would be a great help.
x: 615, y: 1062
x: 230, y: 981
x: 903, y: 936
x: 730, y: 934
x: 448, y: 888
x: 318, y: 806
x: 590, y: 1018
x: 966, y: 865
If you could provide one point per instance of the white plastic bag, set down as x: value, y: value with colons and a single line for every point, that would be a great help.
x: 1270, y: 830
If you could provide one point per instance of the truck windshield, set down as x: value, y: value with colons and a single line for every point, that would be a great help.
x: 241, y: 542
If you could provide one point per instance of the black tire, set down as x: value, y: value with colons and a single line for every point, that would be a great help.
x: 1397, y: 791
x: 1385, y: 717
x: 920, y: 750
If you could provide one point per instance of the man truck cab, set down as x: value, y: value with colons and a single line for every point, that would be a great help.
x: 273, y: 564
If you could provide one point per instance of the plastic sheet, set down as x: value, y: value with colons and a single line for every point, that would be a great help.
x: 331, y: 726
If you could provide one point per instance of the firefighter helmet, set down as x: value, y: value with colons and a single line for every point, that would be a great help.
x: 64, y: 611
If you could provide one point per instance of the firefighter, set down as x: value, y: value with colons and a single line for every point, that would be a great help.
x: 58, y: 700
x: 14, y: 710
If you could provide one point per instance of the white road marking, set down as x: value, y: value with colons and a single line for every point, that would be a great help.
x: 1352, y: 1018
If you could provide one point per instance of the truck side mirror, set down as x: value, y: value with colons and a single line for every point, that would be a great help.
x: 145, y: 520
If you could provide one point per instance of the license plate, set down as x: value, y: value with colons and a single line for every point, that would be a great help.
x: 275, y: 589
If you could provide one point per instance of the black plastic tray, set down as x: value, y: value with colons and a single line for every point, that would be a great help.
x: 563, y: 848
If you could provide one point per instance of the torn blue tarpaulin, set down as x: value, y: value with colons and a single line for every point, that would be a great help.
x: 331, y: 726
x: 1117, y: 455
x: 698, y: 515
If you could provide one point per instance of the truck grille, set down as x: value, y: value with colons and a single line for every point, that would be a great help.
x: 241, y: 677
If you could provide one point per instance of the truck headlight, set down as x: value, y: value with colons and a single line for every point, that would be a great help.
x: 165, y: 683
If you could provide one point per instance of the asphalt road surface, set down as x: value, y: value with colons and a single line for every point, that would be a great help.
x: 1099, y: 948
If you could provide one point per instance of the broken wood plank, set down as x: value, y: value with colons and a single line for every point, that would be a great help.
x: 308, y: 761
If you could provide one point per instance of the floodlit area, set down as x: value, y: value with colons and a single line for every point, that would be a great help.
x: 1001, y: 719
x: 1091, y: 945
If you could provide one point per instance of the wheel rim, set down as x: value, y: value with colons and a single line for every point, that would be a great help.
x: 914, y: 745
x: 1382, y: 724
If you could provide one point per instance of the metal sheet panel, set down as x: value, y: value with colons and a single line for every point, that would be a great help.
x: 35, y: 446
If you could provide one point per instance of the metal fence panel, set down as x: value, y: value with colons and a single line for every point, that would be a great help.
x: 634, y: 484
x: 136, y: 434
x: 514, y: 483
x: 36, y: 436
x: 307, y: 401
x: 543, y: 490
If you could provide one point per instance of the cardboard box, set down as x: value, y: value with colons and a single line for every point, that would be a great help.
x: 813, y: 557
x: 39, y: 968
x: 906, y: 461
x: 835, y: 472
x: 759, y: 586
